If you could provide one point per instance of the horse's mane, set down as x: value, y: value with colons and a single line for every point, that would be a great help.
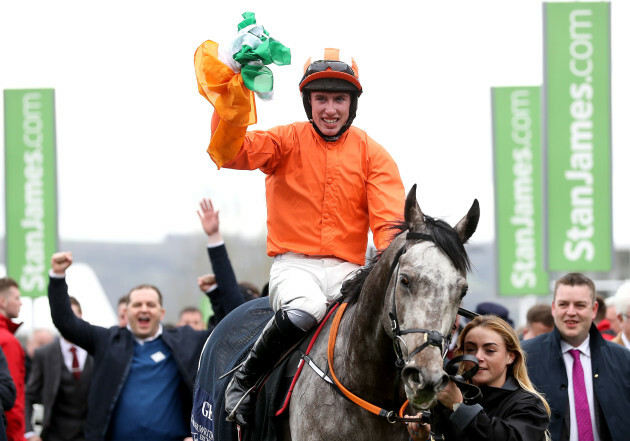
x: 444, y: 237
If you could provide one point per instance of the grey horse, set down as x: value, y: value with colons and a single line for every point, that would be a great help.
x: 420, y: 280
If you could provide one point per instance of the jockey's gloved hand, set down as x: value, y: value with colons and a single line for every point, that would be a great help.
x: 250, y: 52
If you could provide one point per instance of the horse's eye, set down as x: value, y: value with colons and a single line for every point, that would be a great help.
x: 464, y: 292
x: 404, y: 280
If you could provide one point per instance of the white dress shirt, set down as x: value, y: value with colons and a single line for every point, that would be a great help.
x: 67, y: 354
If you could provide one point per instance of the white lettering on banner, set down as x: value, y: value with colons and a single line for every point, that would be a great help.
x: 524, y: 266
x: 578, y: 243
x: 34, y: 269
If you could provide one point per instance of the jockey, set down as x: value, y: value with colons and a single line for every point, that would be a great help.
x: 327, y: 183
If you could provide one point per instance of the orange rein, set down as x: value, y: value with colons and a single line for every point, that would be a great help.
x: 352, y: 397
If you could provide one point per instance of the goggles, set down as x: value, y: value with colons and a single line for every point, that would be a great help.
x: 324, y: 65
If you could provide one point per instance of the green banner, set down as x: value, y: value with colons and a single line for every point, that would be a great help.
x: 517, y: 139
x: 30, y: 183
x: 577, y: 139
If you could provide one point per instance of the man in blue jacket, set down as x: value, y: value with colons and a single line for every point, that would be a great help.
x: 143, y: 374
x: 583, y: 377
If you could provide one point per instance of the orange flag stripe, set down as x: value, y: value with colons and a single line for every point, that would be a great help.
x: 234, y: 104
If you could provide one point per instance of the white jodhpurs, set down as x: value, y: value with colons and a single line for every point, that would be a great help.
x: 308, y: 283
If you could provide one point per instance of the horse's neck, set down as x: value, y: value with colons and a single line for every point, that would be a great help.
x: 365, y: 336
x: 366, y: 358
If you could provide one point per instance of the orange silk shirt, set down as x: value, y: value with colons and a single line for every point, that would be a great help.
x: 323, y: 196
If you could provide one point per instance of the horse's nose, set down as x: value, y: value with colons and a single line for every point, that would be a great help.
x: 421, y: 378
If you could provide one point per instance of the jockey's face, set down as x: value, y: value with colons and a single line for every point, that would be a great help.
x: 330, y: 111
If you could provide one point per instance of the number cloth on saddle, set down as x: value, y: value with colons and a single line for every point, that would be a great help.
x: 228, y: 346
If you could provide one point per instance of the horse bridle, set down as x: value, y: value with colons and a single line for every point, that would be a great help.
x: 471, y: 394
x: 431, y: 337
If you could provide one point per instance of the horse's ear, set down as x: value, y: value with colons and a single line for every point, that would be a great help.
x: 467, y: 226
x: 413, y: 214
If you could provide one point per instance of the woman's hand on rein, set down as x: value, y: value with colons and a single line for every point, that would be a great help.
x: 418, y: 431
x: 450, y: 395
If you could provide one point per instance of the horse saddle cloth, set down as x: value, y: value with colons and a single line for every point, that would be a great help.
x: 226, y: 348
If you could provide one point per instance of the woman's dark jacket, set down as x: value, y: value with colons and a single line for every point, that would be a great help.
x: 503, y: 414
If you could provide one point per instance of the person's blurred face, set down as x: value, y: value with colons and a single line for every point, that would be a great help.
x: 489, y: 348
x: 144, y: 312
x: 192, y: 319
x: 122, y: 315
x: 76, y: 310
x: 39, y: 338
x: 611, y: 316
x: 573, y: 311
x: 534, y: 329
x: 10, y: 302
x: 330, y: 111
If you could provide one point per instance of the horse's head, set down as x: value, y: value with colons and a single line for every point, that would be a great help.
x: 426, y: 287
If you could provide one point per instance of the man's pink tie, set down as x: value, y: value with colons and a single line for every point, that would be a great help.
x: 582, y: 413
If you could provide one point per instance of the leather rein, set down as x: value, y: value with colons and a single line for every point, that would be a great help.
x: 431, y: 338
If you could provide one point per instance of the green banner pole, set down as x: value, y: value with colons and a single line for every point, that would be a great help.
x: 578, y: 135
x: 30, y: 185
x: 519, y: 217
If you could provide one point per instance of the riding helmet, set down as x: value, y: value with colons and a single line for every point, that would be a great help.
x: 331, y: 73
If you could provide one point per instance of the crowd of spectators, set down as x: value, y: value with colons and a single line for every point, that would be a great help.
x: 94, y: 383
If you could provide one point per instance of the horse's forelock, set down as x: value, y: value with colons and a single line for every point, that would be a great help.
x: 449, y: 242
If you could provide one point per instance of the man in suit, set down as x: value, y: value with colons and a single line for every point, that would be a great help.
x: 60, y: 380
x: 142, y: 382
x: 580, y: 373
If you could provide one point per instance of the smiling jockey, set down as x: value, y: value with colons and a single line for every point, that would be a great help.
x: 327, y: 183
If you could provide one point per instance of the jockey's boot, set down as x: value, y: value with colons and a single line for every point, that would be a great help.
x: 276, y: 338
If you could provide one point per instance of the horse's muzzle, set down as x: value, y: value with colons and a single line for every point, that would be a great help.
x: 423, y: 384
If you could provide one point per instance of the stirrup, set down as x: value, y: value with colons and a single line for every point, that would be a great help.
x: 232, y: 415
